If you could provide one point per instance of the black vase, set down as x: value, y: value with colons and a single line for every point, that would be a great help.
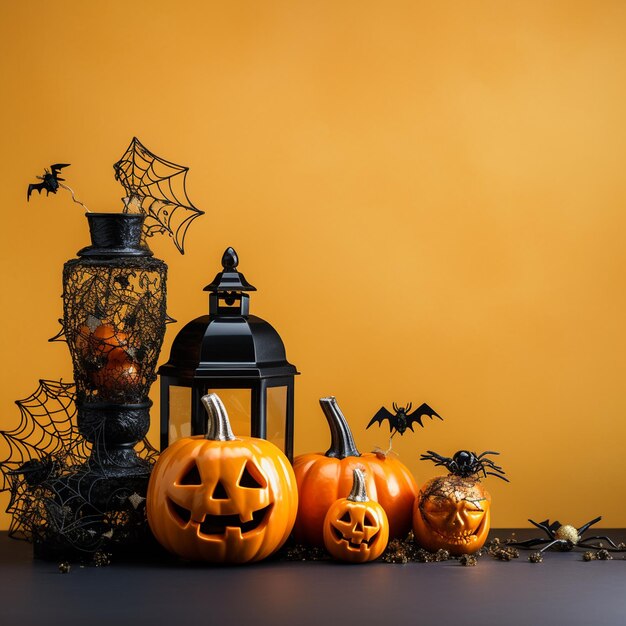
x: 114, y: 314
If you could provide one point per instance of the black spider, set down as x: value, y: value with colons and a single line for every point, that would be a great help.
x: 465, y: 463
x: 564, y: 537
x: 35, y: 471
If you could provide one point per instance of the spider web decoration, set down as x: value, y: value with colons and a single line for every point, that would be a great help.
x: 57, y: 498
x: 46, y: 427
x: 157, y: 188
x: 60, y: 336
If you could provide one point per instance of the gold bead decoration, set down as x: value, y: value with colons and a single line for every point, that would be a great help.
x: 567, y: 533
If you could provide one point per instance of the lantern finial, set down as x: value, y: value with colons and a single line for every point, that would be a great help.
x: 230, y: 260
x: 229, y: 279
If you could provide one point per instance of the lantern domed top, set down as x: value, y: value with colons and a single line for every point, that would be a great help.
x: 229, y: 342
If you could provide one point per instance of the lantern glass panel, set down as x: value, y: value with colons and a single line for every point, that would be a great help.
x: 238, y: 403
x: 276, y: 415
x: 180, y: 413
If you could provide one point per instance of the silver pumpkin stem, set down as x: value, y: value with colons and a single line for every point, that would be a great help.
x: 359, y: 492
x: 342, y: 443
x: 218, y: 424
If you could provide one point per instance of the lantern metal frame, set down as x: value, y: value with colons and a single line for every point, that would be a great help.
x: 228, y: 349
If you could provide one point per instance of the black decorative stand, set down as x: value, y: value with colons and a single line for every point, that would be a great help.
x: 114, y: 320
x: 114, y: 316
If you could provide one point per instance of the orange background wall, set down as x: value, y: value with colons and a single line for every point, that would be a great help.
x: 430, y: 197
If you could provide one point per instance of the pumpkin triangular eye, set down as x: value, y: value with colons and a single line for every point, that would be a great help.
x: 338, y: 534
x: 179, y: 512
x: 219, y: 493
x: 345, y: 517
x: 251, y: 478
x: 192, y: 477
x: 368, y: 521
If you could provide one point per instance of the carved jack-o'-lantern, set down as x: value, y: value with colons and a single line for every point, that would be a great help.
x: 221, y: 498
x: 453, y: 512
x: 356, y: 528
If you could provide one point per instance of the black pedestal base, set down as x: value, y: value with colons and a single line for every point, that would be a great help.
x: 95, y: 512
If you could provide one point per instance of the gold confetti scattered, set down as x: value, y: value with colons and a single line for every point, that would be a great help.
x: 135, y: 499
x: 468, y: 560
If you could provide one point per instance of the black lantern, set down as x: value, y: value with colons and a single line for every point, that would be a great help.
x: 229, y: 349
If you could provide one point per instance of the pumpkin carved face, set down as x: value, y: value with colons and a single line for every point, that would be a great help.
x: 453, y: 513
x: 356, y: 528
x: 226, y: 499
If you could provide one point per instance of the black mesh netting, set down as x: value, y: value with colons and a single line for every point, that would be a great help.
x: 58, y: 496
x: 114, y: 322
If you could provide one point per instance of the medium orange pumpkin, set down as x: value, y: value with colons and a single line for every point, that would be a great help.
x: 221, y: 498
x: 356, y: 528
x: 323, y: 478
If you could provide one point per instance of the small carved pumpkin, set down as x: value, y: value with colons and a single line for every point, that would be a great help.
x: 221, y: 498
x: 356, y: 528
x: 323, y: 478
x: 453, y: 512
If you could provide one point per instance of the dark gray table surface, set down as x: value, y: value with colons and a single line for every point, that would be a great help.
x: 563, y: 590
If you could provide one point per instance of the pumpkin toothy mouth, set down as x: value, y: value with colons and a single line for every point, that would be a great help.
x: 462, y: 537
x: 459, y: 539
x: 355, y: 546
x: 218, y: 524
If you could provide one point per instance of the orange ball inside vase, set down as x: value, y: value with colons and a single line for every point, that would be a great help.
x: 119, y: 372
x: 106, y: 337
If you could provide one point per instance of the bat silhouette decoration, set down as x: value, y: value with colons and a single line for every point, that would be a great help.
x: 49, y: 181
x: 402, y: 419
